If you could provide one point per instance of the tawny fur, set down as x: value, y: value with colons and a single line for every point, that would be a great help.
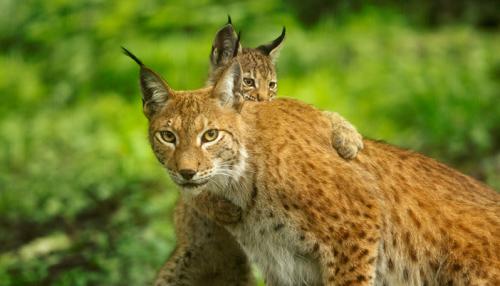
x: 388, y: 217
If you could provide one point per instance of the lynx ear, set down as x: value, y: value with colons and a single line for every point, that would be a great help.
x: 227, y: 90
x: 272, y: 49
x: 226, y: 44
x: 155, y: 91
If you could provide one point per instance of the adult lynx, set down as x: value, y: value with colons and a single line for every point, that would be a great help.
x: 203, y: 254
x: 389, y: 217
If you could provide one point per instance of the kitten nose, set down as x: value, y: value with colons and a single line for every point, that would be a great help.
x: 187, y: 174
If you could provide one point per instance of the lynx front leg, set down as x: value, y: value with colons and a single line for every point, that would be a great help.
x: 211, y: 264
x: 206, y: 254
x: 346, y: 139
x: 176, y: 269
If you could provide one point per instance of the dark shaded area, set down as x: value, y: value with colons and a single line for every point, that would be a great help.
x: 484, y: 15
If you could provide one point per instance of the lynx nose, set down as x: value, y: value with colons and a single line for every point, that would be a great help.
x: 187, y: 174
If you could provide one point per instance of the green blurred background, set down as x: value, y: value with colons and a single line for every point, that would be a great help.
x: 83, y: 201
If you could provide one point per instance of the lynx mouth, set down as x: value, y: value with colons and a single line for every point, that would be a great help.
x: 192, y: 185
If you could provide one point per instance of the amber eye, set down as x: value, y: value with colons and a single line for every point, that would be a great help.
x: 273, y: 85
x: 210, y: 135
x: 167, y: 136
x: 248, y: 81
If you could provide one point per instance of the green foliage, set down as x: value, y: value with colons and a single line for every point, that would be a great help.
x: 82, y: 172
x: 82, y: 199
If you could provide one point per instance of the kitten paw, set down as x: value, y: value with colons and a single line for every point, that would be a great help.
x: 348, y: 143
x: 346, y: 139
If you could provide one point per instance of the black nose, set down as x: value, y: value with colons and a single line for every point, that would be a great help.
x: 187, y: 174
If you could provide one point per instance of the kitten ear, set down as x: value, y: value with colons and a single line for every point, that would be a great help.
x: 155, y: 91
x: 225, y: 45
x: 272, y: 49
x: 227, y: 90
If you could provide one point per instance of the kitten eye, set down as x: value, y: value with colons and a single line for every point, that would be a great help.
x: 273, y: 85
x: 167, y: 136
x: 210, y: 135
x: 248, y: 81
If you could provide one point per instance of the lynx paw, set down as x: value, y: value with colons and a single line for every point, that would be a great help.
x: 226, y: 212
x: 217, y: 208
x: 346, y: 139
x: 348, y: 142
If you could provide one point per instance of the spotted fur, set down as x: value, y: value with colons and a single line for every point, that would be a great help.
x: 308, y: 217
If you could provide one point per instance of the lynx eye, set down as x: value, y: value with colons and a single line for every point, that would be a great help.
x: 273, y: 85
x: 248, y: 81
x: 210, y: 135
x: 167, y: 136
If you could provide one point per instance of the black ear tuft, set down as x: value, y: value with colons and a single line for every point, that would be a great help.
x: 132, y: 56
x: 272, y: 47
x: 229, y: 22
x: 155, y: 91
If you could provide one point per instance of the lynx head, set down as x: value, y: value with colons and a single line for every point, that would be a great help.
x: 195, y: 134
x: 259, y: 81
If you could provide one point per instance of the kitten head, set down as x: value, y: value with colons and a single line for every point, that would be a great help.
x: 259, y: 80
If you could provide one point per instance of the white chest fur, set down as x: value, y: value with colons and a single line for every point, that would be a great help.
x: 271, y: 247
x: 269, y: 242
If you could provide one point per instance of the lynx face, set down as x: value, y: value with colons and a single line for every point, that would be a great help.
x: 194, y: 134
x: 196, y: 143
x: 259, y: 80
